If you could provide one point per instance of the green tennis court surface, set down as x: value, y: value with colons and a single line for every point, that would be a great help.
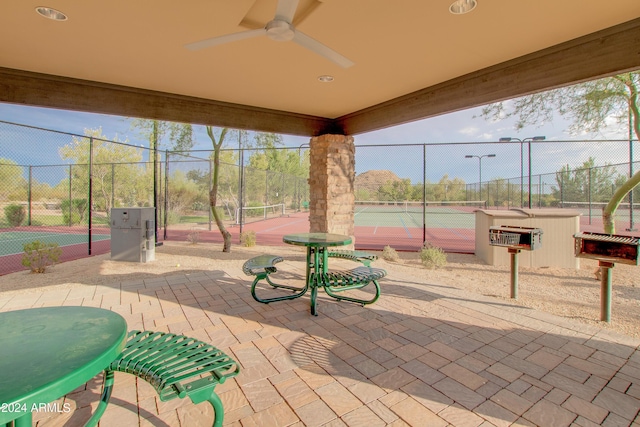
x: 412, y: 214
x: 12, y: 242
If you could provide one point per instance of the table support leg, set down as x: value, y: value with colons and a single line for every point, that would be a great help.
x: 107, y: 387
x: 24, y: 421
x: 605, y: 290
x: 314, y: 277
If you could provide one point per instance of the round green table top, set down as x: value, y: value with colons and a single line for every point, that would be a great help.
x: 46, y: 353
x: 316, y: 239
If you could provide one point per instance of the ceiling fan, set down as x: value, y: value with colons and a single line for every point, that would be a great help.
x: 280, y: 28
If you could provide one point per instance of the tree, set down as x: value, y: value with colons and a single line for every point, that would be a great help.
x: 589, y: 105
x: 279, y: 166
x: 14, y: 186
x: 213, y: 194
x: 585, y: 183
x: 110, y: 159
x: 395, y: 190
x: 180, y: 135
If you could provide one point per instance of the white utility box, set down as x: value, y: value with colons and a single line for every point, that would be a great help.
x: 133, y: 234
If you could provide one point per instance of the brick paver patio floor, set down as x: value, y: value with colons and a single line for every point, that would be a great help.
x: 423, y: 355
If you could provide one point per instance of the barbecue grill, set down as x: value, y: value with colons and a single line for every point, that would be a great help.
x: 607, y: 249
x: 515, y: 239
x: 526, y: 238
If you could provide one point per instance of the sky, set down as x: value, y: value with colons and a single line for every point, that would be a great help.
x: 471, y: 134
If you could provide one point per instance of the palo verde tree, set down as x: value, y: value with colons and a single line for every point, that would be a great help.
x: 213, y: 194
x: 590, y: 106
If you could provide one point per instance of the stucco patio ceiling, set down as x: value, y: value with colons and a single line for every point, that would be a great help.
x: 412, y: 58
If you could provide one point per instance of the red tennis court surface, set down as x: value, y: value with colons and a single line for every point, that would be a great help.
x: 270, y: 232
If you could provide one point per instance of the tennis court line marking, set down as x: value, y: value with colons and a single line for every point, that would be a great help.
x: 60, y: 246
x: 405, y: 227
x: 280, y: 226
x: 40, y: 235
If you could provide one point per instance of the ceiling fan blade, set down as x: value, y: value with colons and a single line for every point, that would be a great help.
x: 226, y: 39
x: 304, y: 13
x: 317, y: 47
x: 286, y: 9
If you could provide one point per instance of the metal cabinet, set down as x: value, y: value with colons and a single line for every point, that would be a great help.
x: 132, y: 234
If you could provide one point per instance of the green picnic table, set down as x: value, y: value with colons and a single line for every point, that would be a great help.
x: 319, y: 276
x: 49, y: 352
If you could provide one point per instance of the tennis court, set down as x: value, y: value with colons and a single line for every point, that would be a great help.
x: 409, y: 215
x: 12, y: 242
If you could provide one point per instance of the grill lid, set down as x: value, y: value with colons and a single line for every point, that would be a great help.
x: 628, y: 240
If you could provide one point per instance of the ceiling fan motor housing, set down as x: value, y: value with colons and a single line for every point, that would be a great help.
x: 280, y: 30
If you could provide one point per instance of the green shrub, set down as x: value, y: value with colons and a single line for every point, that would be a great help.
x: 194, y: 236
x: 433, y: 256
x: 38, y: 255
x: 74, y: 211
x: 248, y: 238
x: 390, y: 254
x: 173, y: 217
x: 15, y: 214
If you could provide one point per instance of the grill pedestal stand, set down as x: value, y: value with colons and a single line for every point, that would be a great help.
x: 513, y: 252
x: 605, y: 290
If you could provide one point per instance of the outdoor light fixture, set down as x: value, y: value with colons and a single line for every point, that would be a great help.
x: 460, y: 7
x: 522, y: 141
x: 469, y: 156
x: 325, y: 78
x: 51, y: 13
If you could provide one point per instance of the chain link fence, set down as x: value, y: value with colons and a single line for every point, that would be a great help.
x: 59, y: 187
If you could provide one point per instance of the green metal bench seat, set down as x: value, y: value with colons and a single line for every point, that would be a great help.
x: 176, y: 366
x: 357, y: 278
x: 261, y: 267
x: 358, y: 256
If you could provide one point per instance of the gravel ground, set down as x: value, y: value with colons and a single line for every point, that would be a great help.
x: 565, y: 292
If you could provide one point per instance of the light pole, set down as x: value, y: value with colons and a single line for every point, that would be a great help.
x: 469, y: 156
x: 522, y: 141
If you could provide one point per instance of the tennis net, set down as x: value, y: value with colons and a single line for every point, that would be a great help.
x: 259, y: 213
x: 409, y: 207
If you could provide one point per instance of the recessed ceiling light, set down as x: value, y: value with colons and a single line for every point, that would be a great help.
x: 50, y: 13
x: 325, y: 78
x: 460, y: 7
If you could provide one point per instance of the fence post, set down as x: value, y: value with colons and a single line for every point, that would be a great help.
x: 266, y: 187
x: 589, y: 194
x: 90, y: 196
x: 113, y: 184
x: 70, y: 196
x: 29, y: 196
x: 562, y: 189
x: 539, y: 191
x: 166, y: 192
x: 424, y: 193
x: 210, y: 188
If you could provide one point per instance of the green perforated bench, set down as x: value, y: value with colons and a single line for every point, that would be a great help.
x: 356, y: 278
x: 359, y: 256
x: 261, y: 267
x: 175, y: 365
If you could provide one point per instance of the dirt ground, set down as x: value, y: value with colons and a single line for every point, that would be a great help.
x: 564, y: 292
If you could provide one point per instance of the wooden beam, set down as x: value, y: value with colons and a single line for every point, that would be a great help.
x: 609, y: 52
x: 43, y: 90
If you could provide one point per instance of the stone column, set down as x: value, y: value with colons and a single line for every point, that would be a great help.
x: 331, y: 184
